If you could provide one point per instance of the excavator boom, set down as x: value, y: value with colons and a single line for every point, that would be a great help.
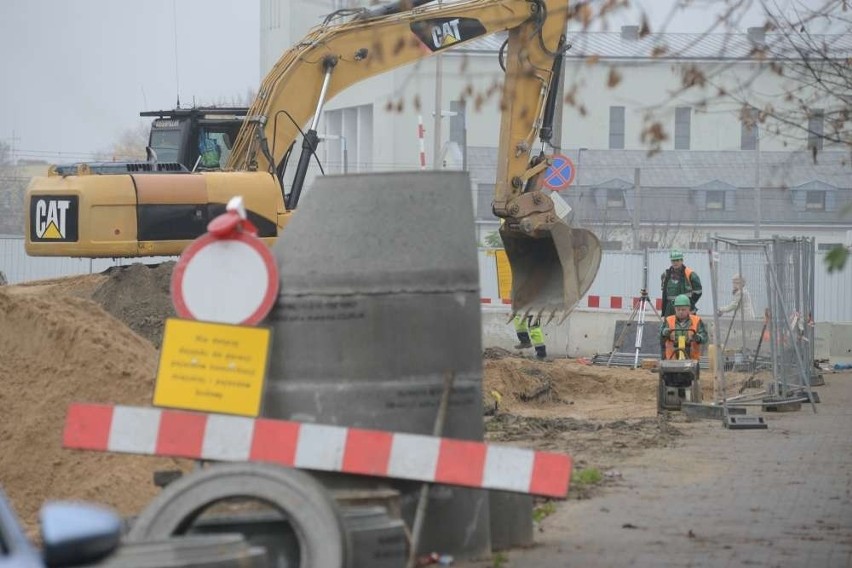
x: 139, y: 214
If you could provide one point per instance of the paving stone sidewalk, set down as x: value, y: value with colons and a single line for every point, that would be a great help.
x: 777, y: 497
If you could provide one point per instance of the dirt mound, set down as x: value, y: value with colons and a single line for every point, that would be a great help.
x: 589, y: 442
x: 139, y: 295
x: 566, y: 386
x: 496, y: 353
x: 56, y: 350
x: 82, y: 286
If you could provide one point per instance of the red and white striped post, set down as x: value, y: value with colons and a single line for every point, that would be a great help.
x: 420, y: 134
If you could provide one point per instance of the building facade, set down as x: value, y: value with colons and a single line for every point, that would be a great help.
x: 656, y: 164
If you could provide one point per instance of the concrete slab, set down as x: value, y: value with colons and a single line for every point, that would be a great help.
x: 697, y: 411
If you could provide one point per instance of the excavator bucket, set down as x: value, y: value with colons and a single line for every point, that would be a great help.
x: 551, y: 273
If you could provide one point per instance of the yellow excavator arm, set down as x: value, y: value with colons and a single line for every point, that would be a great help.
x: 145, y: 214
x: 332, y: 58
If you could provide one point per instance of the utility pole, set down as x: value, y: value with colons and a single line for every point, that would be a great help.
x: 436, y: 148
x: 756, y: 180
x: 637, y: 207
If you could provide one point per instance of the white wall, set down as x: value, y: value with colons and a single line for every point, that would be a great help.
x: 644, y: 85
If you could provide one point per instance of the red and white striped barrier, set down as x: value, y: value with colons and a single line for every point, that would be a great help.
x: 218, y: 437
x: 496, y: 301
x: 618, y: 302
x: 592, y: 302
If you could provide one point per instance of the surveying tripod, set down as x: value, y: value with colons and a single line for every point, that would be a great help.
x: 638, y: 315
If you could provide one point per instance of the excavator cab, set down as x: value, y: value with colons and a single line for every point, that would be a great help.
x: 198, y: 138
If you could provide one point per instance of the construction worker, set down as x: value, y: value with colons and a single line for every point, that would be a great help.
x: 679, y: 279
x: 530, y: 334
x: 209, y: 151
x: 683, y: 324
x: 741, y: 304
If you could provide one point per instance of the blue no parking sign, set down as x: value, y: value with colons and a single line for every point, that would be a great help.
x: 560, y: 174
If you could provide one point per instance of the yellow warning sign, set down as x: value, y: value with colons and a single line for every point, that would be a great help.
x: 212, y: 367
x: 504, y: 273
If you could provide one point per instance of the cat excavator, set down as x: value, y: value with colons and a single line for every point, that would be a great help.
x: 157, y: 208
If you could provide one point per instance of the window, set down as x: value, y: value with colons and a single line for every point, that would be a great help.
x: 614, y: 199
x: 816, y: 122
x: 348, y: 139
x: 715, y: 200
x: 683, y: 117
x: 166, y: 144
x: 815, y: 201
x: 749, y: 133
x: 616, y: 128
x: 828, y: 246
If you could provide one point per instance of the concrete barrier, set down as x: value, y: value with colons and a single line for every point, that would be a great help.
x: 587, y: 332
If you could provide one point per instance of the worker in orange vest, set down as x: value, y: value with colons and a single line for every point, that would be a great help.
x: 683, y: 324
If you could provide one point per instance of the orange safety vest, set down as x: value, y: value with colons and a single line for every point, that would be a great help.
x: 687, y: 272
x: 695, y: 349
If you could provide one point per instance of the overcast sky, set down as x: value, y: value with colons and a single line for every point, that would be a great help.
x: 76, y: 73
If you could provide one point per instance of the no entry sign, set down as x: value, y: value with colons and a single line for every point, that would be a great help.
x: 225, y: 276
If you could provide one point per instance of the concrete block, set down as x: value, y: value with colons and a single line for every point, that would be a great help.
x: 841, y: 343
x: 697, y: 411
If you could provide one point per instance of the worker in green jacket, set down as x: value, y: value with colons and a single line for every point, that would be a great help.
x: 679, y: 279
x: 528, y: 329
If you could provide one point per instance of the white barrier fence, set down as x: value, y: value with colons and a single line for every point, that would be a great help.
x: 619, y: 280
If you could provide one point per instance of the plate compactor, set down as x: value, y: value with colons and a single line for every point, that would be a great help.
x: 679, y: 381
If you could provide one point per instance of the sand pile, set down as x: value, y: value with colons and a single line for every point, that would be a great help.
x: 55, y: 350
x: 566, y: 387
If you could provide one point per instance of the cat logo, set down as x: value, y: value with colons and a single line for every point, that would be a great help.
x: 53, y: 218
x: 441, y: 33
x: 446, y: 34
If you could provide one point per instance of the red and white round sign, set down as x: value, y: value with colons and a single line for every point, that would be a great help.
x: 231, y: 279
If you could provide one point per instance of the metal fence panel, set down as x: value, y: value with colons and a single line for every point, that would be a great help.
x: 620, y: 274
x: 19, y: 267
x: 765, y: 326
x: 832, y: 292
